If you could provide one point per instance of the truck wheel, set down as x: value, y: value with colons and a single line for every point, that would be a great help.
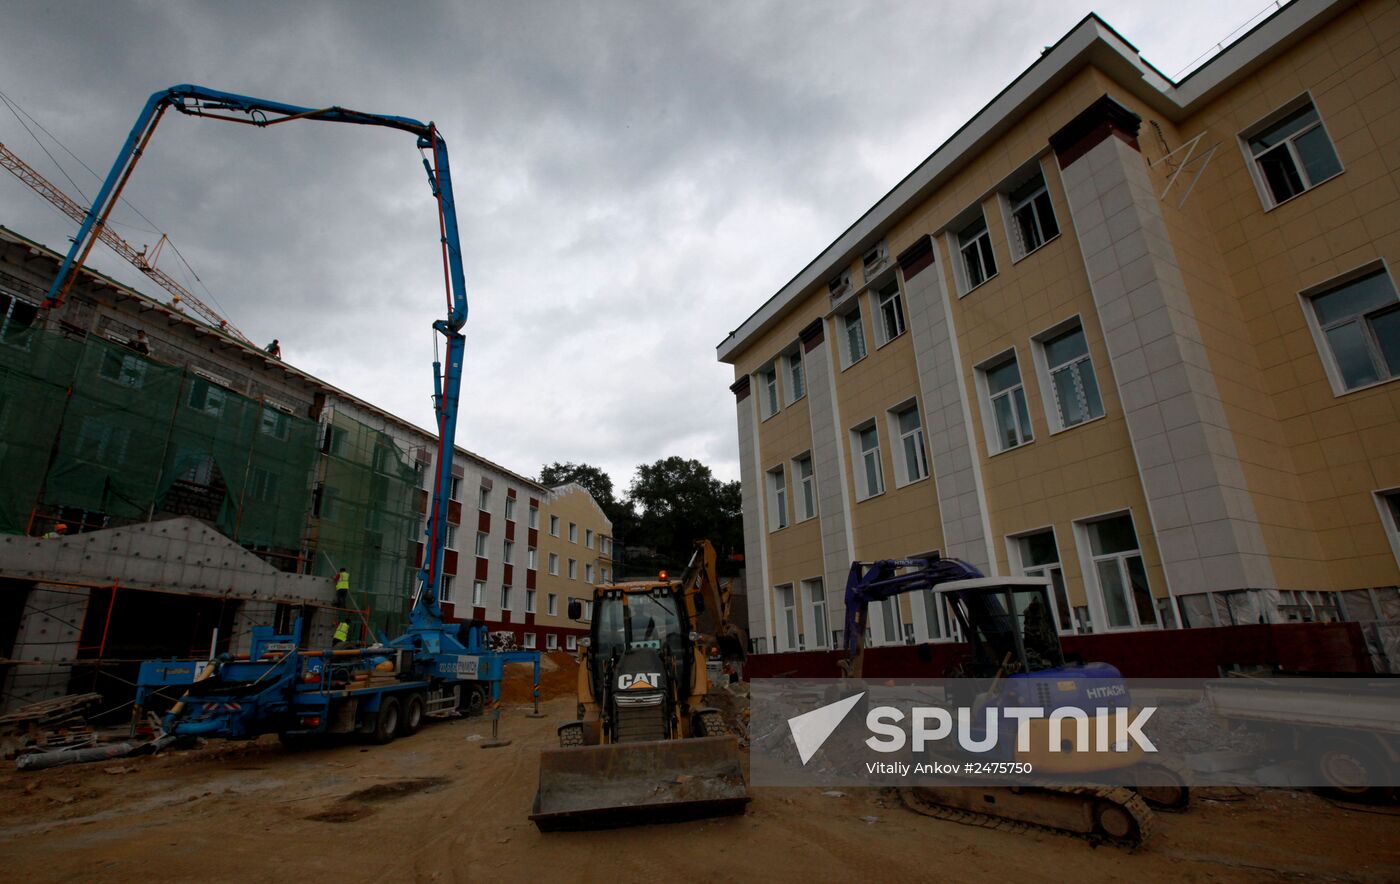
x: 1350, y: 770
x: 571, y: 734
x: 473, y: 701
x: 386, y: 725
x: 414, y: 710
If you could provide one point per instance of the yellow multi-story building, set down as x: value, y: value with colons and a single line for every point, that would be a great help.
x: 575, y: 554
x: 1132, y: 335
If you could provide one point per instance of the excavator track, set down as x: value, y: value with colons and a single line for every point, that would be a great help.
x: 1104, y: 814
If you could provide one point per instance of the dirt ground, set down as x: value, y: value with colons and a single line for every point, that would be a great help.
x: 439, y: 807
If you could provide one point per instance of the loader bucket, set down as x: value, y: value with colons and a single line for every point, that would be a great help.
x: 627, y: 784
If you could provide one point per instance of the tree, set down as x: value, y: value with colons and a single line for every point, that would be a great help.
x: 680, y: 501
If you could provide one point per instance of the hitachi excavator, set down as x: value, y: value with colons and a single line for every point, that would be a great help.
x: 644, y: 746
x: 1016, y: 655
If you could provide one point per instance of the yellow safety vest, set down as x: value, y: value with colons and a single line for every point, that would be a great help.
x: 342, y: 632
x: 342, y: 581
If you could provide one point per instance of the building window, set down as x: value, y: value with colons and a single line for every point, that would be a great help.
x: 787, y: 617
x: 529, y: 601
x: 852, y: 337
x: 573, y: 532
x: 607, y: 546
x: 483, y: 500
x: 573, y: 569
x: 554, y: 564
x: 456, y: 490
x: 478, y: 592
x: 978, y: 262
x: 588, y: 572
x: 815, y: 594
x: 1032, y: 217
x: 508, y: 556
x: 529, y: 640
x: 1010, y: 421
x: 891, y: 312
x: 480, y: 549
x: 554, y: 525
x: 870, y: 475
x: 588, y: 609
x: 777, y: 499
x: 912, y: 463
x: 552, y: 605
x: 16, y: 318
x: 505, y: 598
x: 510, y: 509
x: 446, y: 594
x: 571, y: 642
x: 125, y: 369
x: 796, y: 375
x: 551, y: 642
x: 588, y: 537
x: 1074, y: 390
x: 891, y: 619
x: 768, y: 378
x: 534, y: 517
x: 1040, y: 557
x: 603, y: 575
x: 532, y: 558
x: 1360, y: 323
x: 1120, y: 573
x: 206, y: 398
x: 1292, y: 155
x: 806, y: 497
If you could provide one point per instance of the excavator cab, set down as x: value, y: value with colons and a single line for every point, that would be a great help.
x: 1008, y: 623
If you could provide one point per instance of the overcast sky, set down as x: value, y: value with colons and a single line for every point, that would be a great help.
x: 632, y: 179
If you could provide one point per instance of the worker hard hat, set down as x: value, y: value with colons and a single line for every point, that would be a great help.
x: 60, y: 528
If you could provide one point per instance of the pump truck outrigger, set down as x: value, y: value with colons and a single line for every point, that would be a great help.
x: 387, y: 689
x: 644, y: 747
x: 1009, y: 625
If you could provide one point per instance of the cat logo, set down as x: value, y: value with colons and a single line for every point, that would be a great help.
x: 639, y: 681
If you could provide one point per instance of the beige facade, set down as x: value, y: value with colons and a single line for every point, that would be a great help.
x: 574, y: 555
x: 1133, y: 335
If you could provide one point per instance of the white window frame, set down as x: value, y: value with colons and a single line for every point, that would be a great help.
x: 508, y: 552
x: 588, y: 537
x: 844, y: 337
x: 534, y: 518
x: 1015, y: 394
x: 777, y: 499
x: 573, y: 532
x: 906, y: 473
x: 510, y: 509
x: 1045, y: 372
x: 529, y: 641
x: 588, y: 573
x: 505, y: 597
x: 770, y: 400
x: 554, y: 564
x: 959, y: 251
x: 1098, y: 601
x: 786, y: 611
x: 481, y: 542
x: 889, y: 294
x: 804, y: 497
x: 478, y: 593
x: 483, y: 499
x: 551, y: 641
x: 1015, y: 557
x: 573, y: 569
x: 532, y: 558
x: 1319, y: 332
x: 445, y: 591
x: 554, y: 526
x: 454, y: 491
x: 862, y: 457
x: 571, y: 643
x: 1010, y: 210
x: 814, y: 593
x: 794, y: 374
x: 552, y: 604
x: 1269, y: 121
x: 529, y: 600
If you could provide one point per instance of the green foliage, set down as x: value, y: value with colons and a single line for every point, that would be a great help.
x: 680, y: 501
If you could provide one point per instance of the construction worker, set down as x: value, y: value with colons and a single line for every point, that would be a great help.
x: 342, y: 635
x: 274, y: 349
x: 141, y: 344
x: 59, y: 530
x: 342, y: 588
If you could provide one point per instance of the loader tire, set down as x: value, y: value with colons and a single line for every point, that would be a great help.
x: 415, y: 710
x: 570, y: 735
x: 386, y: 724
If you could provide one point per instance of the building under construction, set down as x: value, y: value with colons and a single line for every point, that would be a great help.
x: 206, y: 486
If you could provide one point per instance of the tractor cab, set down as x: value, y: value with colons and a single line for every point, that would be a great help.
x: 1008, y: 623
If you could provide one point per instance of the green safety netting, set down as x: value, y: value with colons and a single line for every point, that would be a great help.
x: 368, y: 521
x: 92, y: 425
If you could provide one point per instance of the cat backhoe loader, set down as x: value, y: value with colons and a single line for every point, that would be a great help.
x: 644, y: 746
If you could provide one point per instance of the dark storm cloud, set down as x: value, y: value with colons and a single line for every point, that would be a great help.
x: 633, y: 179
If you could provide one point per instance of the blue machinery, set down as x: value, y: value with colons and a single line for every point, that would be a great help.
x: 278, y: 688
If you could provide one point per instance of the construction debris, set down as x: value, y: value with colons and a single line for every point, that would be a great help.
x: 48, y: 725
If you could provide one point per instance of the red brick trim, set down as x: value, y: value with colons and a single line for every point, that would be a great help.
x: 812, y: 336
x: 740, y: 389
x: 1100, y: 120
x: 917, y: 257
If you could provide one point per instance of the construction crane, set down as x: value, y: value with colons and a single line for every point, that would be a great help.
x: 138, y: 259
